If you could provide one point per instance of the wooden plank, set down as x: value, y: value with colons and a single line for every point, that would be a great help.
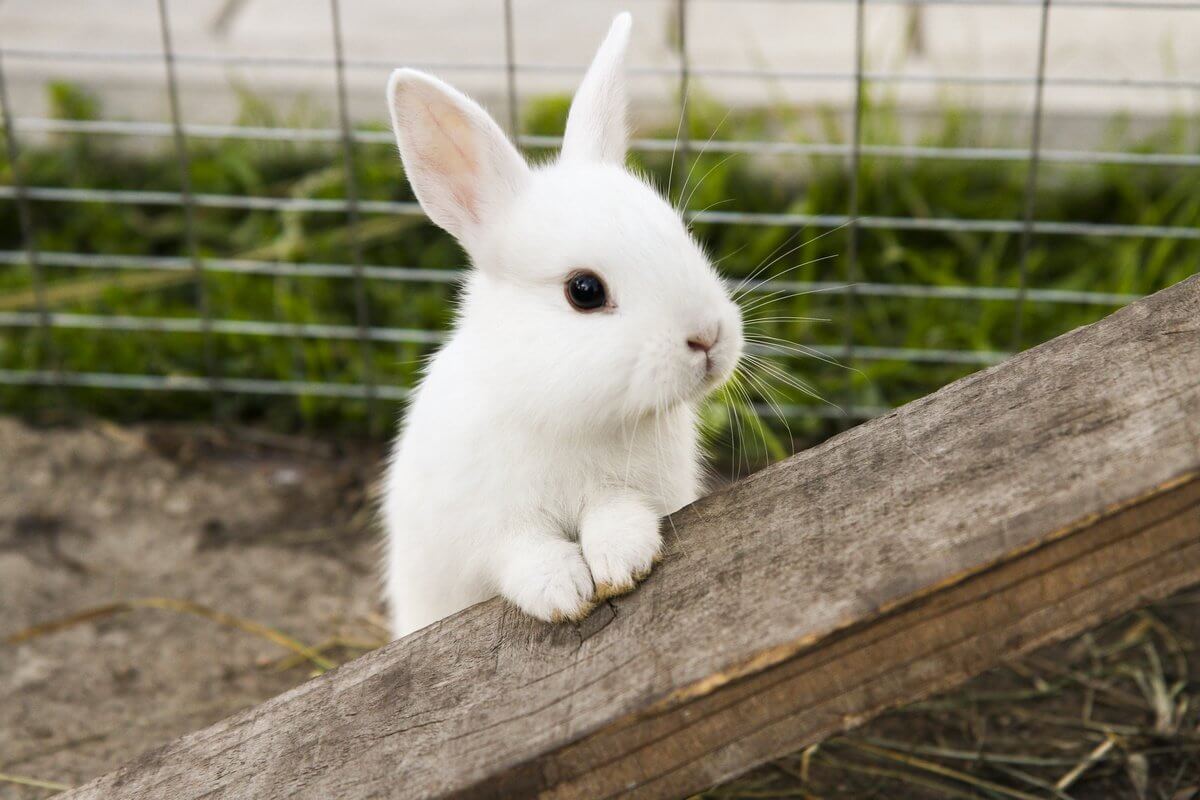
x: 1014, y: 507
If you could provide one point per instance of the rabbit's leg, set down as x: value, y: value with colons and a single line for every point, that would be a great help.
x: 545, y: 575
x: 620, y: 540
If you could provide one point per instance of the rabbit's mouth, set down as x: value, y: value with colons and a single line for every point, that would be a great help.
x: 715, y: 371
x: 720, y: 361
x: 714, y: 355
x: 713, y: 378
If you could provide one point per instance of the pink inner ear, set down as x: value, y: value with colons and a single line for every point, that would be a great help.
x: 446, y: 151
x: 459, y: 162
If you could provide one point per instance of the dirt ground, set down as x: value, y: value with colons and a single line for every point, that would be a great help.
x: 180, y: 561
x: 270, y: 529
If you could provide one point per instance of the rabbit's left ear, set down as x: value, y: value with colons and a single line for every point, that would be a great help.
x: 596, y: 127
x: 461, y: 167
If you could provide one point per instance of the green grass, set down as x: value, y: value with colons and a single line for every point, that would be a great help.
x: 969, y: 189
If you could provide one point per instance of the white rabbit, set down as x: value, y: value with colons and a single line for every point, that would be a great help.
x: 557, y: 425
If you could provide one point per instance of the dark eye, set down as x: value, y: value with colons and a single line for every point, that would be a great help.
x: 585, y: 291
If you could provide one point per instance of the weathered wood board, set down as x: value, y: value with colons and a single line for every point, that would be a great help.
x: 1015, y: 507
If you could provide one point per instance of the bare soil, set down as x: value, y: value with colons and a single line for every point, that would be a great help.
x: 270, y: 529
x: 159, y: 578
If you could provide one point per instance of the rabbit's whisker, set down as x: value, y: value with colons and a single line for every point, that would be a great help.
x: 714, y: 205
x: 700, y: 183
x: 700, y: 155
x: 731, y: 411
x: 772, y: 297
x: 757, y: 425
x: 730, y: 255
x: 743, y: 414
x: 767, y: 260
x: 806, y: 243
x: 752, y: 286
x: 773, y: 343
x: 675, y: 144
x: 753, y: 421
x: 661, y: 488
x: 765, y: 391
x: 771, y: 370
x: 756, y: 320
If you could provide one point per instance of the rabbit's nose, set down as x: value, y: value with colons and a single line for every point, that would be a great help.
x: 703, y: 342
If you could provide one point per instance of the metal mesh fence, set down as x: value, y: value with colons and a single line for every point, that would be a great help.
x: 35, y: 205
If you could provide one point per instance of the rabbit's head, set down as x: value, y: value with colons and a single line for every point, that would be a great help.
x: 592, y: 295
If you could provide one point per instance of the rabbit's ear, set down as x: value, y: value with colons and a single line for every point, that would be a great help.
x: 460, y: 164
x: 596, y: 128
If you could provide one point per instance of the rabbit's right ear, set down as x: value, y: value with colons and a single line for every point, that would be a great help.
x: 461, y: 166
x: 596, y: 127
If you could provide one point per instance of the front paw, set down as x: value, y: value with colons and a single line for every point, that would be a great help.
x: 620, y: 541
x: 549, y: 580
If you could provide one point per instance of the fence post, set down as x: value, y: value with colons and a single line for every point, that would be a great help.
x: 361, y: 307
x: 211, y: 365
x: 26, y: 220
x: 1031, y: 177
x: 851, y: 271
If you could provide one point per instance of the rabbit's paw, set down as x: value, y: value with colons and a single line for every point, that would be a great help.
x: 621, y: 543
x: 548, y: 579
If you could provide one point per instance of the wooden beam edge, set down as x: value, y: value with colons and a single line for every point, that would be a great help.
x: 1168, y: 577
x: 536, y: 776
x: 767, y: 658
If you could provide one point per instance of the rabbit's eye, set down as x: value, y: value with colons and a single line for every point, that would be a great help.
x: 585, y: 291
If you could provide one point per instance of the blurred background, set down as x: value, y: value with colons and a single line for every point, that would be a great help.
x: 216, y: 290
x: 202, y: 214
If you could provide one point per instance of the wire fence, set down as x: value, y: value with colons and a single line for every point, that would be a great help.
x: 29, y: 198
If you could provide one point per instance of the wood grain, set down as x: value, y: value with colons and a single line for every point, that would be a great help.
x: 1015, y: 507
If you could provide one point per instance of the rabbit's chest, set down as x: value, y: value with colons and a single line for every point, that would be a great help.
x: 663, y: 471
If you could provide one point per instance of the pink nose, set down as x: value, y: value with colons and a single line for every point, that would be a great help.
x: 701, y: 344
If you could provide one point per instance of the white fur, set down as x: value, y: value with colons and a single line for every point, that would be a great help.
x: 544, y: 444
